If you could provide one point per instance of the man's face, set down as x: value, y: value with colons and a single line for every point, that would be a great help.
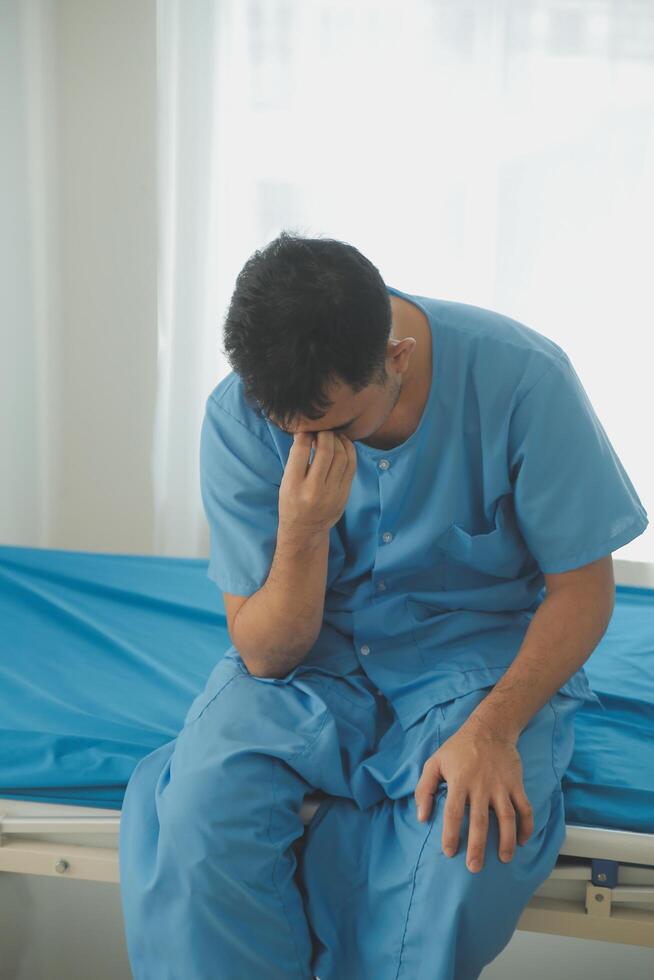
x: 358, y: 415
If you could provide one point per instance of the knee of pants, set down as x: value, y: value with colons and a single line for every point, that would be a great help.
x: 486, y: 904
x: 238, y: 754
x: 254, y: 714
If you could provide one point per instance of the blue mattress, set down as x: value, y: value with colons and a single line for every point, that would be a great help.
x: 101, y: 656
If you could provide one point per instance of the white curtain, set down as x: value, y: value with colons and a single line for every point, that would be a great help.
x: 496, y: 153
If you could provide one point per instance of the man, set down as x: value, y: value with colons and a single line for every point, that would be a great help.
x: 412, y: 508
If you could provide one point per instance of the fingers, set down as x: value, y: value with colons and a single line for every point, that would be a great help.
x: 334, y: 458
x: 327, y: 444
x: 506, y: 819
x: 426, y: 788
x: 525, y: 814
x: 478, y: 826
x: 477, y: 833
x: 298, y: 457
x: 452, y: 818
x: 349, y: 460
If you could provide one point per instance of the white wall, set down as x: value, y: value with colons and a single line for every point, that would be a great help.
x: 78, y: 253
x: 108, y: 253
x: 26, y: 186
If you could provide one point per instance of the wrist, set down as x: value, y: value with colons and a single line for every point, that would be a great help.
x: 492, y: 725
x: 301, y: 533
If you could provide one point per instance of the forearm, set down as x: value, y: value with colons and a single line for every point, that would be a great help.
x: 563, y: 633
x: 278, y: 625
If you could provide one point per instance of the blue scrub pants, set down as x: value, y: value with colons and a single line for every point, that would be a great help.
x: 220, y: 880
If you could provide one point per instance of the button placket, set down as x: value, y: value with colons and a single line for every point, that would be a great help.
x: 387, y: 536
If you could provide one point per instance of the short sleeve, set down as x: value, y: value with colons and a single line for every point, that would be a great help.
x: 239, y: 481
x: 574, y: 503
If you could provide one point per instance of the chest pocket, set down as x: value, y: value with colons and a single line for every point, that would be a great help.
x: 469, y: 559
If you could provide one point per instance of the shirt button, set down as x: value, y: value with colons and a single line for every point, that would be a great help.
x: 387, y: 536
x: 365, y: 649
x: 381, y: 585
x: 384, y: 464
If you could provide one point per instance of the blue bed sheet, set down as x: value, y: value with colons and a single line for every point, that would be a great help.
x: 101, y: 656
x: 610, y: 780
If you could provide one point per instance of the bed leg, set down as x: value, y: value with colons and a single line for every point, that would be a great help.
x: 604, y: 877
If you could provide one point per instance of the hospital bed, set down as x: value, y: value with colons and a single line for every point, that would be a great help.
x: 101, y: 655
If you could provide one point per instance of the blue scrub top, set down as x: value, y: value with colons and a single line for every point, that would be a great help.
x: 436, y: 565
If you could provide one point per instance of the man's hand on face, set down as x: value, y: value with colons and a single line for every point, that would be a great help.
x: 312, y: 497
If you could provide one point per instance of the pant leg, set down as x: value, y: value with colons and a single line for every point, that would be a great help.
x: 209, y: 821
x: 382, y: 898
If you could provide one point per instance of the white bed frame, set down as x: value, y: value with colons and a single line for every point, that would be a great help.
x: 601, y: 888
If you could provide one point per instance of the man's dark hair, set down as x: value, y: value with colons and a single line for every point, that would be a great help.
x: 306, y: 313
